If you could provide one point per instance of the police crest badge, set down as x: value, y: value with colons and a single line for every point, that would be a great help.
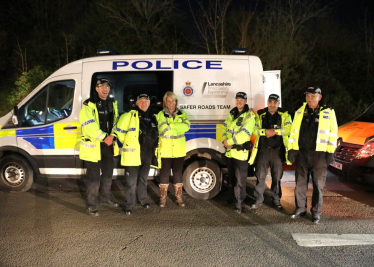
x: 188, y: 89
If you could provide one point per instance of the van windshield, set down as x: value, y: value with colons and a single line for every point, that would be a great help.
x: 368, y: 115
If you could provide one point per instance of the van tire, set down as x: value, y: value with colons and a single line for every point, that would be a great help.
x: 16, y: 174
x: 204, y: 169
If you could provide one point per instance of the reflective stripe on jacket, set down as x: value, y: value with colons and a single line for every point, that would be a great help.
x: 327, y: 130
x: 172, y: 130
x: 127, y: 131
x: 91, y: 133
x: 284, y: 131
x: 237, y: 132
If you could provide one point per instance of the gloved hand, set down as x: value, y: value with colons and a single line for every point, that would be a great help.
x: 292, y: 155
x: 329, y: 158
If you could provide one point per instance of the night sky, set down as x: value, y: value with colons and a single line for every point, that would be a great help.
x: 39, y: 36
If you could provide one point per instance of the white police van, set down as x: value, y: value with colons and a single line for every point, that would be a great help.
x: 41, y: 136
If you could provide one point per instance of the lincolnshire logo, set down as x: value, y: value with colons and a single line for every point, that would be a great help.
x: 188, y: 89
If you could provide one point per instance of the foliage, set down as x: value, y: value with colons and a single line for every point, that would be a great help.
x: 146, y: 26
x: 210, y: 23
x: 26, y: 83
x: 5, y: 107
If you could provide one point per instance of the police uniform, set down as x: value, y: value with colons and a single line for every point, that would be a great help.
x: 138, y: 134
x: 173, y: 150
x: 97, y: 119
x: 312, y: 143
x: 237, y: 130
x: 270, y: 152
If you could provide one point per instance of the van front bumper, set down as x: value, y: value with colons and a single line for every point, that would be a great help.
x: 360, y: 170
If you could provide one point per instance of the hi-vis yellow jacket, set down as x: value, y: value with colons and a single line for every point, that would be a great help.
x: 91, y: 133
x: 238, y: 131
x: 127, y: 131
x: 327, y: 130
x: 258, y: 131
x: 172, y: 130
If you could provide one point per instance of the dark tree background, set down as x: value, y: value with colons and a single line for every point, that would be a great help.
x: 329, y: 43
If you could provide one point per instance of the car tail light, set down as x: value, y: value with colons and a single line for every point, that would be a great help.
x: 367, y: 150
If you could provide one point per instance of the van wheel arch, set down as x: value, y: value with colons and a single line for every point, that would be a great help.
x: 10, y: 150
x: 207, y: 153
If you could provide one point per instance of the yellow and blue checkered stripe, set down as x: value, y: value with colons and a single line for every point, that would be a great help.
x: 55, y: 137
x: 49, y: 137
x: 213, y: 131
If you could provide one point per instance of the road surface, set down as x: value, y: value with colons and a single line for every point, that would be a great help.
x: 49, y: 226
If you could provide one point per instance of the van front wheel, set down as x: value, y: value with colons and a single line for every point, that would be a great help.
x: 16, y: 174
x: 202, y: 179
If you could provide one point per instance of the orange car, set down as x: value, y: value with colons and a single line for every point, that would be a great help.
x: 354, y: 154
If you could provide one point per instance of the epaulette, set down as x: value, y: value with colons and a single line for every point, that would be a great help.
x: 232, y: 112
x: 261, y: 111
x: 86, y: 101
x: 325, y: 107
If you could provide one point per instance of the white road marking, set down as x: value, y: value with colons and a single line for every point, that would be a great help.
x: 324, y: 240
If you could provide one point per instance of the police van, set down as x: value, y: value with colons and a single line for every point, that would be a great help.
x: 41, y: 136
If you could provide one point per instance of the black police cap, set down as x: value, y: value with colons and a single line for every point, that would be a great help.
x: 241, y: 95
x: 102, y: 81
x: 143, y: 95
x: 314, y: 90
x: 274, y: 97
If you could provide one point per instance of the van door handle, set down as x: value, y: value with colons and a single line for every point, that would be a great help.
x: 69, y: 127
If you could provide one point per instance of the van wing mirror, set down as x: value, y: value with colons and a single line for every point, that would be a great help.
x: 15, y: 115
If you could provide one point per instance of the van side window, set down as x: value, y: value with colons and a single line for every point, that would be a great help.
x: 54, y: 102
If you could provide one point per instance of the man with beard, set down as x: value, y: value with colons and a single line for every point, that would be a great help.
x: 272, y: 129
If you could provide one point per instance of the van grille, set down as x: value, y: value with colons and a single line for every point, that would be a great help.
x: 346, y: 153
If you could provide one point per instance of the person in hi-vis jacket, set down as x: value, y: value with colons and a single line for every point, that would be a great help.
x: 137, y: 132
x: 98, y: 117
x: 237, y: 130
x: 272, y: 129
x: 311, y: 145
x: 173, y: 123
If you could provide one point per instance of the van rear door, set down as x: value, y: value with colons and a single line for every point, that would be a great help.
x: 272, y: 84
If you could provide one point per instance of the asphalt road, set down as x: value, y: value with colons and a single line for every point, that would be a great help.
x: 49, y: 226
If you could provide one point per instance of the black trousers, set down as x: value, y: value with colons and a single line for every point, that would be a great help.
x: 100, y: 183
x: 174, y: 164
x: 313, y: 163
x: 136, y: 180
x: 238, y: 170
x: 265, y: 158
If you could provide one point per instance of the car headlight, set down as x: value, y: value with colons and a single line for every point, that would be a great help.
x: 366, y: 150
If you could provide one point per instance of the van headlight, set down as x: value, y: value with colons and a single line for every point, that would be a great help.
x: 366, y: 150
